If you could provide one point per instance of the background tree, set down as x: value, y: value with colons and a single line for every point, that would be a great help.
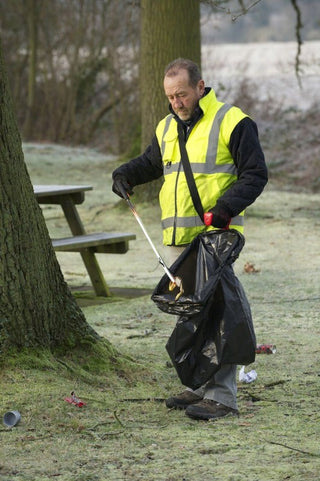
x: 168, y: 30
x: 32, y: 22
x: 74, y: 66
x: 71, y: 65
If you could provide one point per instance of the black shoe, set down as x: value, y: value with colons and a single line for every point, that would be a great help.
x: 182, y: 400
x: 209, y: 409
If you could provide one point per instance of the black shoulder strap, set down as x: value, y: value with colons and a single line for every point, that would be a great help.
x: 188, y: 173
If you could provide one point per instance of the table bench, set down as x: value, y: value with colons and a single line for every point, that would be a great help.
x: 99, y: 242
x: 87, y: 244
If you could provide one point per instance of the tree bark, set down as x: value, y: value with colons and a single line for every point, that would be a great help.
x: 36, y: 306
x: 32, y: 12
x: 168, y: 30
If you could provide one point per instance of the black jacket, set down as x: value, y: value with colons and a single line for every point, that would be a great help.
x: 246, y: 152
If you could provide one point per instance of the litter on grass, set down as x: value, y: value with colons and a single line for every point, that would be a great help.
x: 247, y: 377
x: 73, y: 399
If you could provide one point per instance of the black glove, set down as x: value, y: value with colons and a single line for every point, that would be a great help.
x: 121, y: 184
x: 221, y: 217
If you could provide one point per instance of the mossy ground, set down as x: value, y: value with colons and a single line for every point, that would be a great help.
x: 125, y: 432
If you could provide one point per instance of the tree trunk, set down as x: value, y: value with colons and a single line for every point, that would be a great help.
x: 168, y: 30
x: 36, y: 306
x: 32, y: 20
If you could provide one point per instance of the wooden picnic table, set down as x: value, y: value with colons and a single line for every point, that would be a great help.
x: 68, y: 197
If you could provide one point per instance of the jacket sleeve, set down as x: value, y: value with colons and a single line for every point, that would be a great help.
x: 252, y: 174
x: 142, y: 169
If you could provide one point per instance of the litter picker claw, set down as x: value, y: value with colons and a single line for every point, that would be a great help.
x: 174, y: 281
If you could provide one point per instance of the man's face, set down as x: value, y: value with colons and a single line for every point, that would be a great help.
x: 182, y: 96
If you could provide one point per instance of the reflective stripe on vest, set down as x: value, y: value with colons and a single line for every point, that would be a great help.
x: 197, y: 222
x: 212, y: 166
x: 165, y: 130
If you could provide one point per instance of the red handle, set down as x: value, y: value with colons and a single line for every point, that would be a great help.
x: 207, y: 217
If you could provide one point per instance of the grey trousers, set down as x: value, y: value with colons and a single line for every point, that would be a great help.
x: 223, y: 386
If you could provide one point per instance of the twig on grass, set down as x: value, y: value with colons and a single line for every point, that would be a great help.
x: 148, y: 332
x: 103, y: 423
x: 146, y: 399
x: 276, y: 383
x: 293, y: 449
x: 117, y: 419
x: 101, y: 437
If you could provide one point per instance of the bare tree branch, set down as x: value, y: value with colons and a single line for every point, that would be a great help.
x: 234, y: 15
x: 299, y: 27
x: 244, y: 9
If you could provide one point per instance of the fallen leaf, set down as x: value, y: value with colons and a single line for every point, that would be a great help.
x: 250, y: 268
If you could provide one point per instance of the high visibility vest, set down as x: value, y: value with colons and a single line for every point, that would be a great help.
x: 212, y: 166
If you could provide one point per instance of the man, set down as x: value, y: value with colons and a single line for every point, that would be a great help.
x: 230, y: 173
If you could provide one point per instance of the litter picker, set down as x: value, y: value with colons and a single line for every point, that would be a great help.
x: 174, y: 281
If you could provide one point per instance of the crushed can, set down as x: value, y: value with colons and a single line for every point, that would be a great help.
x: 266, y: 349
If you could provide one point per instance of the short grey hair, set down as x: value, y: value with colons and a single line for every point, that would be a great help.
x: 172, y: 69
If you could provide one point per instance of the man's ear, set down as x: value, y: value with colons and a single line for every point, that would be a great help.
x: 201, y: 87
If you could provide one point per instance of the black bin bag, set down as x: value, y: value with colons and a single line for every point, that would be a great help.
x: 214, y: 326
